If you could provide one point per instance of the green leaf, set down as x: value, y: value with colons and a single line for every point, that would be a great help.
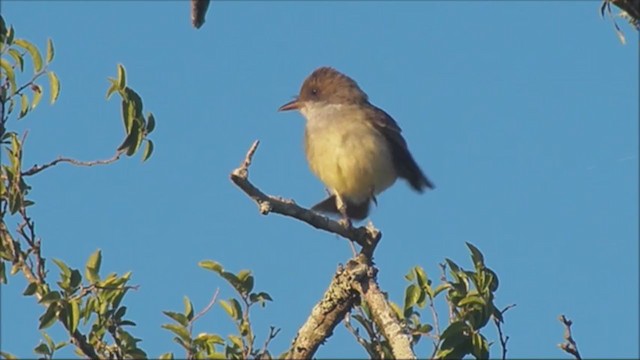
x: 424, y: 329
x: 237, y: 308
x: 440, y: 288
x: 210, y: 338
x: 66, y: 272
x: 75, y: 279
x: 480, y: 346
x: 17, y: 57
x: 166, y: 356
x: 129, y: 143
x: 411, y: 295
x: 48, y: 339
x: 24, y: 105
x: 236, y: 340
x: 54, y: 83
x: 181, y: 331
x: 148, y: 150
x: 410, y: 276
x: 92, y: 268
x: 73, y: 316
x: 188, y: 308
x: 42, y: 349
x: 247, y: 284
x: 50, y: 297
x: 472, y: 299
x: 49, y: 317
x: 6, y: 355
x: 120, y: 312
x: 228, y: 308
x: 179, y: 318
x: 211, y: 265
x: 50, y: 50
x: 122, y: 77
x: 3, y: 273
x: 112, y: 88
x: 476, y: 256
x: 421, y: 276
x: 395, y: 308
x: 243, y: 275
x: 37, y: 95
x: 33, y: 51
x: 456, y: 327
x: 233, y: 280
x: 11, y: 76
x: 31, y: 289
x: 151, y: 123
x: 493, y: 282
x: 455, y: 269
x: 261, y: 297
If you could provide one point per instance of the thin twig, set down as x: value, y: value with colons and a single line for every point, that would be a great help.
x: 436, y: 326
x: 443, y: 278
x: 569, y: 346
x: 359, y: 339
x: 38, y: 168
x: 503, y: 339
x: 366, y: 236
x: 369, y: 328
x: 273, y: 332
x: 385, y: 317
x: 205, y: 310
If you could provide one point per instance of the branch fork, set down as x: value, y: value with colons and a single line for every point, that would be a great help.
x: 352, y: 283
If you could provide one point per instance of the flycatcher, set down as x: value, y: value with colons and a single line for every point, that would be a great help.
x: 355, y: 148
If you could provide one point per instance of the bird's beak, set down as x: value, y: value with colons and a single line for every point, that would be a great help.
x: 291, y: 105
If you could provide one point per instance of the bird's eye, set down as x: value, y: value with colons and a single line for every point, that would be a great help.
x: 314, y: 91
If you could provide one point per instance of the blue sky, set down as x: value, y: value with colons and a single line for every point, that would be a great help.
x: 524, y: 114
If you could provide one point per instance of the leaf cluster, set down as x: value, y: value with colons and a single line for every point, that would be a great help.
x: 469, y: 296
x: 213, y: 346
x: 93, y: 303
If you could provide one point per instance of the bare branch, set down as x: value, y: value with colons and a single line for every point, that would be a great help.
x: 503, y: 339
x: 328, y: 313
x: 384, y: 316
x: 367, y: 237
x: 38, y: 168
x: 359, y: 339
x: 358, y: 276
x: 205, y: 310
x: 569, y: 346
x: 273, y: 332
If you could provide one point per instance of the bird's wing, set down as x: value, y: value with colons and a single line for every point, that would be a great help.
x: 406, y: 166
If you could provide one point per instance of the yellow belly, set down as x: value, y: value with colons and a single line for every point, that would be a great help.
x: 351, y: 158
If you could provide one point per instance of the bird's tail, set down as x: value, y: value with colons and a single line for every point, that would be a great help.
x: 354, y: 211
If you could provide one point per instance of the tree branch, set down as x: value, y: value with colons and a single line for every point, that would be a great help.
x: 357, y: 277
x: 569, y: 345
x: 38, y: 168
x: 503, y: 339
x: 328, y: 313
x: 367, y: 237
x: 384, y: 316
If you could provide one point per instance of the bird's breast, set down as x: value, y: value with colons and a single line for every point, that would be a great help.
x: 347, y: 153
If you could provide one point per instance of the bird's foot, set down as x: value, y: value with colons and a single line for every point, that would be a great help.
x: 346, y: 222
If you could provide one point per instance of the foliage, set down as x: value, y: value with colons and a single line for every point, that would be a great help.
x: 236, y: 346
x: 88, y: 308
x: 469, y: 296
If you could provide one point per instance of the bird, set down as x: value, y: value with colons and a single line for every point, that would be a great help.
x: 355, y: 148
